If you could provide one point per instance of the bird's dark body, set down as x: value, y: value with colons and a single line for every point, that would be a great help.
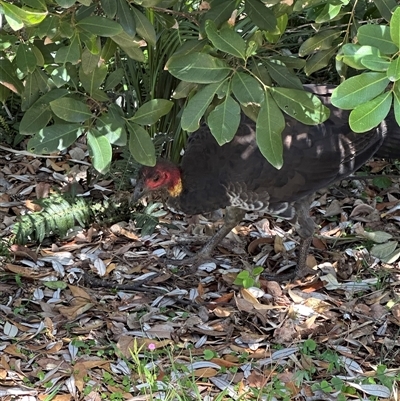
x: 237, y: 174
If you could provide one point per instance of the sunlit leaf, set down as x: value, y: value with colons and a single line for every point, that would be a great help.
x: 100, y: 26
x: 303, y: 106
x: 377, y: 36
x: 226, y: 40
x: 260, y: 14
x: 37, y: 116
x: 247, y: 89
x: 352, y: 54
x: 393, y: 72
x: 200, y: 68
x: 197, y: 106
x: 55, y: 138
x: 269, y: 127
x: 224, y: 120
x: 126, y: 17
x: 320, y: 41
x: 395, y: 27
x: 140, y: 145
x: 359, y: 89
x: 70, y: 110
x: 150, y: 112
x: 99, y: 150
x: 8, y: 76
x: 144, y: 27
x: 368, y: 115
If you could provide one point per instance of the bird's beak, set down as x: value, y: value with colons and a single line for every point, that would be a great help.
x: 139, y: 191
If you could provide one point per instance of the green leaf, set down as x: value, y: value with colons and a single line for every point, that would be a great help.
x: 92, y: 42
x: 89, y: 61
x: 247, y: 89
x: 37, y: 116
x: 261, y: 73
x: 144, y: 27
x: 25, y: 59
x: 34, y: 84
x: 140, y: 145
x: 65, y: 3
x: 377, y: 36
x: 320, y: 41
x: 328, y: 13
x: 4, y: 94
x: 359, y: 89
x: 108, y: 50
x: 198, y: 67
x: 99, y: 150
x: 319, y: 60
x: 69, y: 54
x: 94, y: 79
x: 129, y: 45
x: 219, y: 12
x: 112, y: 126
x: 282, y: 75
x: 382, y: 182
x: 100, y: 26
x: 393, y: 72
x: 36, y: 4
x: 70, y: 110
x: 303, y: 106
x: 260, y: 14
x: 375, y: 63
x: 383, y: 251
x: 224, y: 120
x: 49, y: 27
x: 352, y: 55
x: 197, y: 106
x: 150, y: 112
x: 395, y: 27
x: 60, y: 76
x: 396, y: 103
x: 368, y: 115
x: 109, y: 7
x: 9, y: 78
x: 55, y: 138
x: 289, y: 61
x: 269, y: 127
x: 385, y: 8
x: 226, y: 40
x: 13, y: 17
x: 17, y: 17
x: 6, y: 41
x: 114, y: 79
x: 183, y: 90
x: 55, y: 285
x: 126, y: 18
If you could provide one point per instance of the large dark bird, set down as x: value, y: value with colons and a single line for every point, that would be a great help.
x: 237, y: 177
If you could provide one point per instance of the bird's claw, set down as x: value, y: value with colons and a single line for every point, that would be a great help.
x: 192, y: 262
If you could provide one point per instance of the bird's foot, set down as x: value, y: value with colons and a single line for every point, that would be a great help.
x: 193, y: 262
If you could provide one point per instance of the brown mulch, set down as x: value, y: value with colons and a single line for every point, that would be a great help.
x: 73, y: 309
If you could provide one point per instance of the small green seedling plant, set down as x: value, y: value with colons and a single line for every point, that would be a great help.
x: 247, y: 279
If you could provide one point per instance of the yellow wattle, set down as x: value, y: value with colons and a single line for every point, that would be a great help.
x: 176, y: 190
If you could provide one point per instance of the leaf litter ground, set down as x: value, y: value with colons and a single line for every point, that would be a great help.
x: 67, y: 333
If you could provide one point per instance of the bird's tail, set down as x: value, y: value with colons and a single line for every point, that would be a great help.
x: 390, y: 148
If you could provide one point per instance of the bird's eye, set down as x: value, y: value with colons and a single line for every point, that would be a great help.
x: 156, y: 178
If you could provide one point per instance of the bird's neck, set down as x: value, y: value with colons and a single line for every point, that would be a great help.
x: 175, y: 188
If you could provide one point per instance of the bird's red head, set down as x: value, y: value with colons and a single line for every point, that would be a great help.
x: 165, y: 175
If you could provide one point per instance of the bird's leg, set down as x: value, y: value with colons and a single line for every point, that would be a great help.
x: 306, y: 231
x: 233, y: 216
